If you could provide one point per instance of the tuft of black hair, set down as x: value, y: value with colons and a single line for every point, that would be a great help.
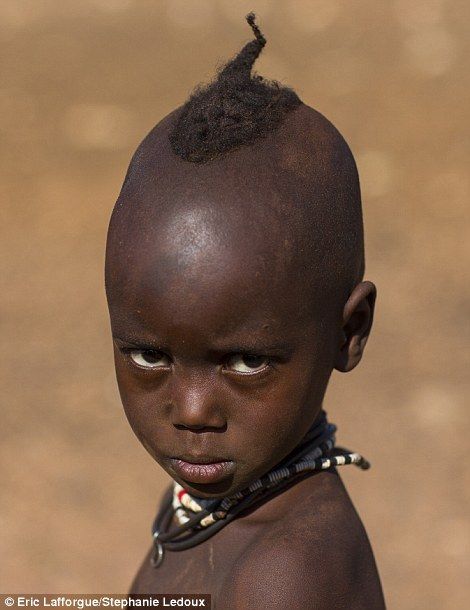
x: 235, y: 109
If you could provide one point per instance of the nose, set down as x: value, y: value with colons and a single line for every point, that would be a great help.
x: 195, y: 404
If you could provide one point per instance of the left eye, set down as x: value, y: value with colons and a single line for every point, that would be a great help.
x: 247, y: 363
x: 150, y: 358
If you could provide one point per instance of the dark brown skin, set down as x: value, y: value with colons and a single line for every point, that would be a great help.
x: 206, y: 265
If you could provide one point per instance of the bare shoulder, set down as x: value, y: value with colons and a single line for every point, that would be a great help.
x: 317, y: 556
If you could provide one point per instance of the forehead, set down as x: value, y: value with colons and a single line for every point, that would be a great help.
x: 199, y: 268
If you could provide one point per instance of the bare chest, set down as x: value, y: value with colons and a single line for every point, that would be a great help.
x: 201, y: 569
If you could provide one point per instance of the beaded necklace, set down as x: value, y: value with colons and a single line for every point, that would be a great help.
x: 200, y: 518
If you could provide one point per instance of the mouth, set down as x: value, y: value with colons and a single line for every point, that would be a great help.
x: 203, y: 470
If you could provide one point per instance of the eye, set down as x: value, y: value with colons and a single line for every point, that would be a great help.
x: 247, y: 363
x: 150, y: 358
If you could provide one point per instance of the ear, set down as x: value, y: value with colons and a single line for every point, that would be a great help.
x: 358, y: 314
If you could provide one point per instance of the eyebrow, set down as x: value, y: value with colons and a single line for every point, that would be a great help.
x: 138, y: 343
x: 256, y: 347
x: 250, y: 347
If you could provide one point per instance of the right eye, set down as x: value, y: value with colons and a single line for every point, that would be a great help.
x: 247, y: 364
x: 150, y: 358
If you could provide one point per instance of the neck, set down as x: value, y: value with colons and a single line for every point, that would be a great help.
x: 266, y: 498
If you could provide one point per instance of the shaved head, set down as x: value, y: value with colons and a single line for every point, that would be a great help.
x: 287, y: 208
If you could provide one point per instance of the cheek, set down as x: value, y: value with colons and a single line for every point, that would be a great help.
x: 138, y: 401
x: 306, y: 387
x: 273, y: 424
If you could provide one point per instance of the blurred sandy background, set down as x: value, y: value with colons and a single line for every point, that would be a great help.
x: 81, y: 84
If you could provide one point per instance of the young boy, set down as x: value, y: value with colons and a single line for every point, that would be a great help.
x: 234, y: 277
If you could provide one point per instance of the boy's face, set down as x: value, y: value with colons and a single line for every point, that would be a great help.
x: 221, y: 356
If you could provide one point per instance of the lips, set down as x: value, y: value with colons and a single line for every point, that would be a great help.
x: 202, y: 470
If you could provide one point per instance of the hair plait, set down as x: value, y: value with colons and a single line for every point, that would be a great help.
x: 235, y: 109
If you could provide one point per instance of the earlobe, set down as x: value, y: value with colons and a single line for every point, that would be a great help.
x: 358, y: 315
